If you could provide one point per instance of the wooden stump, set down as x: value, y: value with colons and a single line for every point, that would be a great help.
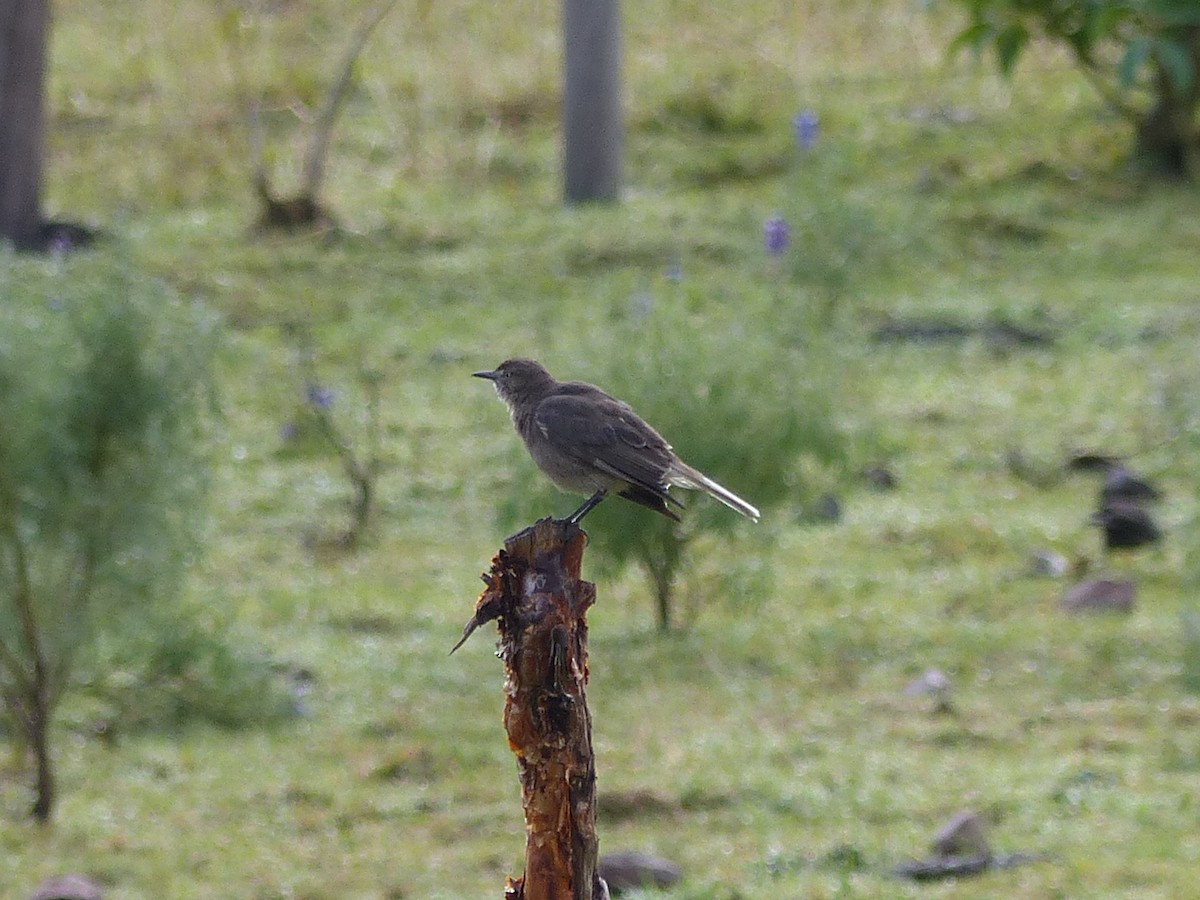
x: 535, y: 594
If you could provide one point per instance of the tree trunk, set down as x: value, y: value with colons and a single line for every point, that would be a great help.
x: 535, y: 592
x: 1160, y: 146
x: 664, y: 581
x: 593, y: 133
x: 30, y: 713
x: 1166, y: 140
x: 24, y: 27
x: 39, y: 739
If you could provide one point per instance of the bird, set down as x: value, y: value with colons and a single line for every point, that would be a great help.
x: 591, y: 443
x: 1126, y: 525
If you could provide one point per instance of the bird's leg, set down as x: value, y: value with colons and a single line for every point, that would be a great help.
x: 588, y: 505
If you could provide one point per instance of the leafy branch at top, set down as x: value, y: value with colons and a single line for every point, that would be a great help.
x: 1142, y: 56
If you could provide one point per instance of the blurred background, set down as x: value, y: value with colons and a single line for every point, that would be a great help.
x: 918, y: 279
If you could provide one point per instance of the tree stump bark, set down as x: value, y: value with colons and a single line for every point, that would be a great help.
x: 535, y: 594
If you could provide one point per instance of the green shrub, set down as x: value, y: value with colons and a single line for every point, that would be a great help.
x: 103, y: 388
x: 1142, y: 55
x: 177, y: 668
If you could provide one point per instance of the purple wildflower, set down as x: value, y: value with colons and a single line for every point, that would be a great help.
x: 59, y: 245
x: 807, y: 129
x: 776, y: 235
x: 318, y: 396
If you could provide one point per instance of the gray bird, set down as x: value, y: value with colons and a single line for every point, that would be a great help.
x: 591, y: 443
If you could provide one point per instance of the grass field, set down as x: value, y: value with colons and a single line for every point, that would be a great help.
x: 765, y: 744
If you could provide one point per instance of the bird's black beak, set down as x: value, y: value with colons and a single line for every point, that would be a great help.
x: 490, y: 376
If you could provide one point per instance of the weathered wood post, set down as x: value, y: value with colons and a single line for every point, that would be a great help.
x: 535, y: 593
x: 593, y: 131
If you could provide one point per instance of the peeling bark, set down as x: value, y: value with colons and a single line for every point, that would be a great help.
x: 540, y: 603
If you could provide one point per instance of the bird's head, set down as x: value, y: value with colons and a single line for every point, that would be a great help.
x: 518, y: 380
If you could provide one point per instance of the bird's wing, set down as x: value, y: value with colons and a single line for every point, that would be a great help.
x: 602, y: 431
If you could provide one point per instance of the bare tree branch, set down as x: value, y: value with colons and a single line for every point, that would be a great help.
x: 318, y: 148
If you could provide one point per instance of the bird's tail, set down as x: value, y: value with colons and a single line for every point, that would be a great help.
x: 682, y: 475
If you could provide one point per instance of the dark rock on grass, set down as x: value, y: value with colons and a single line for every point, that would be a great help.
x: 827, y: 509
x: 1092, y: 461
x: 1048, y: 564
x: 628, y: 870
x: 964, y: 835
x: 1000, y: 333
x: 880, y: 477
x: 960, y: 849
x: 932, y: 683
x: 68, y: 887
x: 1122, y: 485
x: 1126, y: 525
x: 936, y: 868
x: 940, y: 868
x: 1100, y: 595
x: 60, y: 238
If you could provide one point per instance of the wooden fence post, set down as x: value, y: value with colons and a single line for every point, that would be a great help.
x: 593, y: 131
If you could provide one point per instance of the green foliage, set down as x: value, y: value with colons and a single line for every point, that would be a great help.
x: 745, y: 408
x: 1144, y: 32
x: 840, y: 237
x: 173, y: 668
x: 102, y: 465
x: 1143, y: 55
x: 103, y: 377
x: 107, y: 401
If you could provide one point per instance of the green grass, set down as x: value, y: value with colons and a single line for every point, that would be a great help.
x: 772, y: 727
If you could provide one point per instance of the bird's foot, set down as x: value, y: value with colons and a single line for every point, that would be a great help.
x: 588, y: 505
